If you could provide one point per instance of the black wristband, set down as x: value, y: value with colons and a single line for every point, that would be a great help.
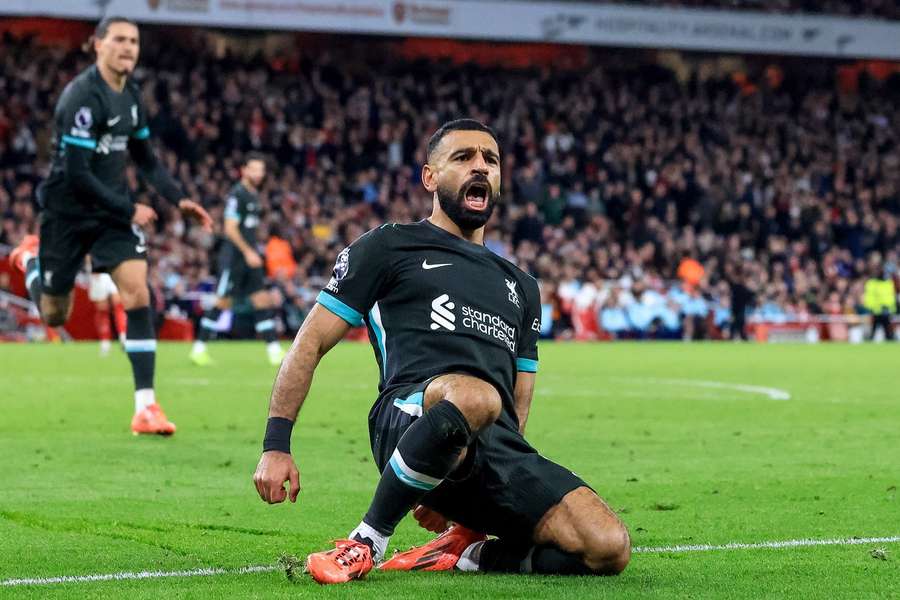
x: 278, y: 435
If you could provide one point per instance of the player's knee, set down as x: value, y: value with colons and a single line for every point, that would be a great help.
x: 607, y: 551
x: 135, y: 297
x: 54, y: 312
x: 261, y: 300
x: 479, y: 402
x: 55, y: 317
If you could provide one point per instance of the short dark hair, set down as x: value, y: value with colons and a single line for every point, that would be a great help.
x: 103, y: 26
x: 250, y: 156
x: 457, y: 125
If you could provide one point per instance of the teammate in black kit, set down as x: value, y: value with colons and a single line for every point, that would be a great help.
x: 454, y: 328
x: 242, y: 273
x: 86, y: 207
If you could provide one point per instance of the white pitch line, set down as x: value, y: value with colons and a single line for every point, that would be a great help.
x: 210, y: 572
x: 773, y: 393
x: 781, y: 544
x: 205, y: 572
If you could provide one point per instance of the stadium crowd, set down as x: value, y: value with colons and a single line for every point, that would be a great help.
x: 647, y: 206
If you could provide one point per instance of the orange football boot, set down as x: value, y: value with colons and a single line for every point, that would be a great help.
x: 152, y: 420
x: 440, y: 554
x: 28, y: 246
x: 349, y: 560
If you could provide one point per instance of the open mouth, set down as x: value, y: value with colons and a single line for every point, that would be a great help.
x: 477, y: 196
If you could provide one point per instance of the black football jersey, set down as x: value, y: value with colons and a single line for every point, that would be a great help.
x: 242, y: 205
x: 91, y: 115
x: 434, y: 303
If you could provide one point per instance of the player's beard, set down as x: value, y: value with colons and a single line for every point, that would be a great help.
x: 454, y: 205
x: 256, y: 182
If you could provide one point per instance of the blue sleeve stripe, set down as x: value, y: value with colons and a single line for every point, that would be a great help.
x: 340, y: 309
x: 232, y: 214
x: 142, y: 134
x: 83, y: 142
x: 526, y: 365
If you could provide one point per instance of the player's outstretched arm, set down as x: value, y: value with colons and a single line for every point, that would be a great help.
x: 145, y: 158
x: 524, y: 392
x: 321, y: 330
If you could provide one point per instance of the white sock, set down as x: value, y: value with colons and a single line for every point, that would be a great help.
x: 199, y: 346
x: 379, y: 540
x: 105, y: 345
x: 273, y: 348
x: 471, y: 556
x: 143, y: 398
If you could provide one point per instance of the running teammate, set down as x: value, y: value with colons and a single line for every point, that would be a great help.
x: 86, y: 207
x: 242, y: 274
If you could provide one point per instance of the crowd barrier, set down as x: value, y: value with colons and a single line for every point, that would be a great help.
x: 19, y: 321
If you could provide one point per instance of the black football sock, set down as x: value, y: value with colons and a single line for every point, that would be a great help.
x: 265, y: 324
x: 140, y: 344
x: 425, y: 455
x: 207, y: 323
x: 502, y: 556
x: 33, y: 281
x: 550, y: 560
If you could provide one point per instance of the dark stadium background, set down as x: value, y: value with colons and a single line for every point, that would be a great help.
x: 645, y: 188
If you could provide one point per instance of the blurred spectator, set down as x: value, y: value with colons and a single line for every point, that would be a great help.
x: 280, y: 262
x: 741, y: 300
x: 690, y: 272
x: 881, y: 300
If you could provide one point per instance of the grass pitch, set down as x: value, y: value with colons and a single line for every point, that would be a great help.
x: 657, y: 429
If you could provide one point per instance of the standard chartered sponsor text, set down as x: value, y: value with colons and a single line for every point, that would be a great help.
x: 491, y: 325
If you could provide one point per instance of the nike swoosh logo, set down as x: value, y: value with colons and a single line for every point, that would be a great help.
x: 426, y: 266
x: 112, y: 122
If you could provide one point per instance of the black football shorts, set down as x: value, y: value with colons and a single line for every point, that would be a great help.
x: 65, y: 242
x: 503, y: 488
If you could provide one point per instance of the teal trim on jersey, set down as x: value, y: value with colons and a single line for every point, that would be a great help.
x: 34, y: 274
x: 141, y: 134
x: 266, y: 325
x: 416, y: 398
x: 339, y: 308
x: 233, y: 215
x: 222, y: 288
x: 378, y: 328
x: 526, y: 365
x: 84, y: 143
x: 413, y: 405
x: 398, y: 471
